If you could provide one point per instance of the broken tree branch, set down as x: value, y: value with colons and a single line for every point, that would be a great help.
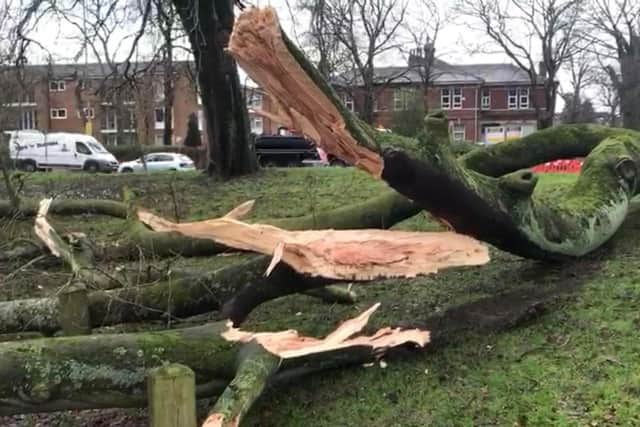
x: 466, y: 194
x: 337, y: 254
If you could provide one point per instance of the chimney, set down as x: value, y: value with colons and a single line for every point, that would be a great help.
x: 542, y: 70
x: 421, y: 56
x: 416, y: 58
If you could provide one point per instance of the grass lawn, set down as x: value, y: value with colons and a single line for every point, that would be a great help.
x: 576, y: 365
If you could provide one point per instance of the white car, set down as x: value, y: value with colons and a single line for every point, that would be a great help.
x: 159, y: 162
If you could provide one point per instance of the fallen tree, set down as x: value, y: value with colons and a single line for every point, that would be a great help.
x: 486, y: 194
x: 53, y: 374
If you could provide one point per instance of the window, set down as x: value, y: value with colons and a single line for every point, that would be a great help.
x: 257, y: 125
x: 512, y: 99
x: 457, y: 97
x: 58, y: 113
x: 28, y: 120
x: 524, y: 98
x: 398, y: 100
x: 57, y: 86
x: 159, y: 139
x: 159, y: 114
x: 88, y: 113
x: 348, y: 102
x: 445, y: 99
x: 485, y: 100
x: 165, y: 158
x: 255, y: 100
x: 518, y: 98
x: 200, y: 120
x: 404, y: 99
x: 158, y: 91
x: 109, y: 119
x: 82, y: 149
x: 458, y: 132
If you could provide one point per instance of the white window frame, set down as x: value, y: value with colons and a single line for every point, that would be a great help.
x: 445, y: 98
x: 55, y: 113
x: 485, y: 100
x: 57, y: 86
x: 524, y: 95
x: 347, y: 100
x: 456, y: 98
x: 255, y: 128
x: 399, y: 103
x: 28, y: 120
x: 512, y: 98
x: 110, y: 112
x: 456, y: 134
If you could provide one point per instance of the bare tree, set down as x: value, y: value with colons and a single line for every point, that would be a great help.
x: 525, y: 28
x: 608, y: 94
x: 166, y: 23
x: 423, y: 28
x: 616, y: 37
x: 322, y: 44
x: 366, y: 29
x: 582, y: 68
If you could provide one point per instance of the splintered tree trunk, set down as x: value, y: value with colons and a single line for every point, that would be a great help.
x: 208, y: 26
x: 500, y: 208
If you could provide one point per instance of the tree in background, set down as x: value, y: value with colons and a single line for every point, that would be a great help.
x: 423, y: 28
x: 616, y: 38
x: 410, y: 121
x: 193, y: 138
x: 208, y: 25
x: 577, y: 111
x: 523, y: 29
x: 366, y: 29
x: 582, y: 68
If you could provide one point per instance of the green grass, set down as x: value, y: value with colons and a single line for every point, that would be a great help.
x: 576, y: 365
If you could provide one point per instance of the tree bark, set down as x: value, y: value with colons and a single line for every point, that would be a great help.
x: 503, y: 211
x: 208, y: 27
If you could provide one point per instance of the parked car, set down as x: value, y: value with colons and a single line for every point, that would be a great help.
x: 34, y: 150
x: 291, y: 150
x: 159, y: 162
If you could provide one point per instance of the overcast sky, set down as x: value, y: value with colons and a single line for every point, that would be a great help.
x: 456, y: 43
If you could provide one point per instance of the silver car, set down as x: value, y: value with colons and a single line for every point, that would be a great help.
x: 159, y: 162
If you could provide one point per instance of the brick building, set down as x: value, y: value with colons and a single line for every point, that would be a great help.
x: 484, y: 102
x: 82, y: 99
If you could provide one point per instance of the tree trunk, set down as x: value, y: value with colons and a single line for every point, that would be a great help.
x: 208, y: 28
x: 629, y: 89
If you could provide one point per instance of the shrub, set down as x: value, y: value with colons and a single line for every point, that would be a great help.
x: 193, y: 138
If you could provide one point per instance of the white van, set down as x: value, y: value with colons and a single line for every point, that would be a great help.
x: 33, y: 150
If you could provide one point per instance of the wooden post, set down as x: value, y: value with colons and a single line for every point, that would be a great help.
x: 74, y: 310
x: 171, y: 391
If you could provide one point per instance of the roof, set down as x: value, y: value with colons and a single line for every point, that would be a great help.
x: 96, y: 70
x: 442, y: 74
